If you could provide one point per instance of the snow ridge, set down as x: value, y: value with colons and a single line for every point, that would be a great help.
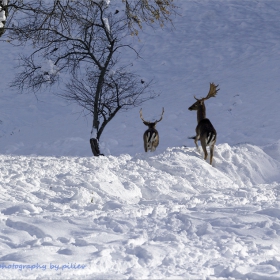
x: 148, y: 216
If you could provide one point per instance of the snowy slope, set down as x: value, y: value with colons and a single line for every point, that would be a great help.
x: 143, y: 217
x: 168, y: 215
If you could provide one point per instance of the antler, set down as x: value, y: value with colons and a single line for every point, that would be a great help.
x: 147, y: 123
x: 161, y: 116
x: 141, y: 116
x: 212, y: 92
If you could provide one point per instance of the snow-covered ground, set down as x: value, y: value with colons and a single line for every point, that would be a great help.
x: 144, y: 217
x: 165, y: 215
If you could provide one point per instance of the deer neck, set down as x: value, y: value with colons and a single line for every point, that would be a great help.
x: 201, y: 112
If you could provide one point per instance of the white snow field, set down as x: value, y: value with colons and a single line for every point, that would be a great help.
x: 65, y: 214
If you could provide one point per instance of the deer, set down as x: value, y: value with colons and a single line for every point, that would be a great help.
x: 205, y: 131
x: 151, y: 136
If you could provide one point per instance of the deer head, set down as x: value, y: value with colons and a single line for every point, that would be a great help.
x: 151, y: 136
x: 199, y: 104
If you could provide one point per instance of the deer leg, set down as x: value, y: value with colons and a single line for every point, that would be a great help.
x: 195, y: 141
x: 203, y: 144
x: 211, y: 153
x: 145, y: 143
x: 153, y: 142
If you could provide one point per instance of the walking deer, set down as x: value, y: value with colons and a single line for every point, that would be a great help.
x: 205, y: 131
x: 151, y: 137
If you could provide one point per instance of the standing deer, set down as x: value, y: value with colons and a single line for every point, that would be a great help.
x: 151, y: 137
x: 205, y: 131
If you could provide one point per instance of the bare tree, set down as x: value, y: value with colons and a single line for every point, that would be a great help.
x: 141, y: 12
x: 86, y: 40
x: 137, y: 11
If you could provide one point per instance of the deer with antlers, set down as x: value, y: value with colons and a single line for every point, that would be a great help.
x: 151, y: 136
x: 205, y: 131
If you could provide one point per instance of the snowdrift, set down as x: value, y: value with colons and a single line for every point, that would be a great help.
x: 147, y: 216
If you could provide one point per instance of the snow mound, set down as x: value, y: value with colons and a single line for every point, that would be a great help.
x: 149, y: 216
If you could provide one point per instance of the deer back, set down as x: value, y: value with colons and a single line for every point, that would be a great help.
x: 151, y: 139
x: 206, y: 132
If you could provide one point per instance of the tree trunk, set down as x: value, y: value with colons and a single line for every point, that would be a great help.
x: 94, y: 144
x: 95, y: 147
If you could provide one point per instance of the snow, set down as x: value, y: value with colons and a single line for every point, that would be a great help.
x: 2, y: 18
x: 2, y: 14
x: 65, y: 214
x: 155, y: 216
x: 49, y: 67
x: 107, y: 25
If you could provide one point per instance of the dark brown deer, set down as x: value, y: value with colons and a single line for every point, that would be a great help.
x: 151, y: 137
x: 205, y: 131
